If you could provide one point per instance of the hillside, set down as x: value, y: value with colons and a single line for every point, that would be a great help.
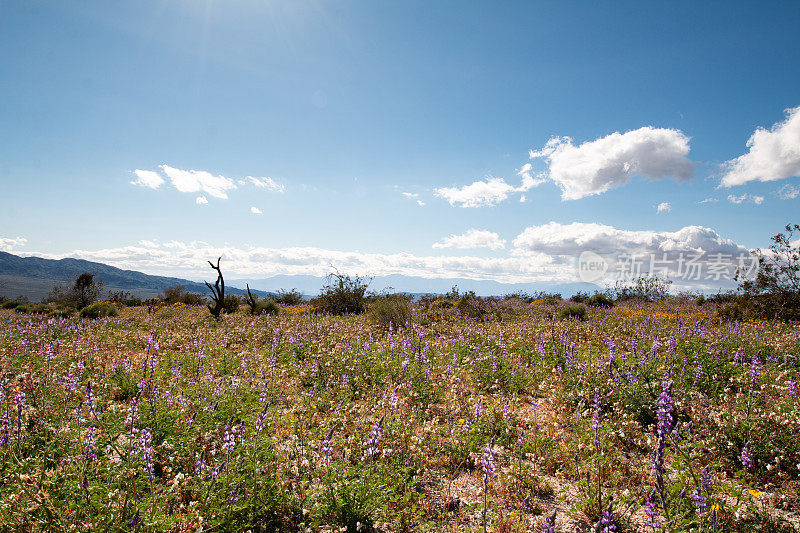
x: 34, y: 277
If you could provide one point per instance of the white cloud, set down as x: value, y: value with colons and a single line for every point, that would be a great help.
x: 664, y: 207
x: 545, y: 253
x: 410, y: 195
x: 201, y: 200
x: 708, y: 201
x: 478, y: 194
x: 266, y: 183
x: 663, y: 251
x: 7, y: 244
x: 529, y: 181
x: 199, y: 180
x: 597, y: 166
x: 420, y: 203
x: 745, y: 198
x: 147, y: 178
x: 572, y: 239
x: 472, y: 238
x: 772, y: 154
x: 255, y: 210
x: 187, y: 259
x: 490, y: 191
x: 522, y: 199
x: 788, y: 192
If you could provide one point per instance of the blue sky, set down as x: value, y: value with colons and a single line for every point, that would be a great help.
x: 345, y: 106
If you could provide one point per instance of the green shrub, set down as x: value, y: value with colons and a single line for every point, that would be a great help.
x: 292, y: 297
x: 99, y: 310
x: 10, y: 304
x: 231, y: 304
x: 391, y: 311
x: 471, y: 306
x: 573, y: 311
x: 342, y: 295
x: 265, y: 307
x: 600, y: 300
x: 579, y: 297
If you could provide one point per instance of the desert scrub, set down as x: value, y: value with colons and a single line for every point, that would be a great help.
x: 574, y: 311
x: 99, y: 310
x: 311, y: 421
x: 391, y: 311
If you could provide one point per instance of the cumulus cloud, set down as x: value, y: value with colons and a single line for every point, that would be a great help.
x: 201, y: 200
x: 708, y: 201
x: 147, y: 178
x: 545, y: 253
x: 186, y: 259
x: 490, y: 191
x: 7, y: 244
x: 572, y: 239
x: 664, y: 207
x: 255, y: 210
x: 216, y: 186
x: 788, y: 192
x: 772, y: 154
x: 485, y: 193
x: 264, y: 183
x: 420, y: 203
x: 472, y: 238
x: 199, y: 180
x: 693, y: 256
x: 745, y: 198
x: 597, y: 166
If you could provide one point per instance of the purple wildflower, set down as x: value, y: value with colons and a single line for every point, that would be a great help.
x: 747, y: 456
x: 651, y: 511
x: 327, y: 448
x: 375, y: 438
x: 487, y: 463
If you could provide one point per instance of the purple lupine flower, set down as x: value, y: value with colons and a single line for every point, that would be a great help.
x: 755, y: 371
x: 549, y: 524
x: 792, y: 384
x: 261, y: 420
x: 651, y: 511
x: 5, y: 430
x: 375, y: 438
x: 525, y: 505
x: 607, y: 524
x: 393, y: 400
x: 700, y: 500
x: 89, y: 441
x: 327, y: 448
x: 487, y: 463
x: 137, y: 519
x: 666, y: 423
x: 478, y: 411
x: 143, y: 448
x: 747, y: 456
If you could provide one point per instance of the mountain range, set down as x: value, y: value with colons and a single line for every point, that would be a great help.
x: 35, y: 277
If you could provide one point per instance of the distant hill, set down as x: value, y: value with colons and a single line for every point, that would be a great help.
x: 34, y: 277
x: 311, y: 285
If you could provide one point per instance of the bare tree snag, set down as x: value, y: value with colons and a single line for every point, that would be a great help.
x: 217, y: 291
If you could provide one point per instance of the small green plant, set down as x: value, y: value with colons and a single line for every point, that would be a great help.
x: 573, y: 311
x: 599, y: 300
x: 390, y: 311
x: 99, y: 310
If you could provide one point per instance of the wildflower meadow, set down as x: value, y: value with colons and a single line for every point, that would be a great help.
x: 640, y: 417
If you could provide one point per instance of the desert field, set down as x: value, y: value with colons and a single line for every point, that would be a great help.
x: 641, y: 417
